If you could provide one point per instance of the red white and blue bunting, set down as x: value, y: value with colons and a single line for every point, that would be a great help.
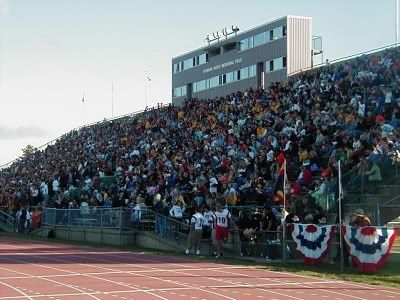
x: 313, y: 241
x: 369, y: 247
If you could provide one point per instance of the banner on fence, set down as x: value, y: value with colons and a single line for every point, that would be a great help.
x: 313, y: 241
x: 370, y: 246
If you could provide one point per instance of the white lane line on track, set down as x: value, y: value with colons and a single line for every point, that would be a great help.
x: 359, y: 285
x: 292, y: 275
x: 181, y: 265
x: 53, y: 281
x: 149, y: 260
x: 17, y: 290
x: 57, y: 269
x: 300, y: 284
x: 132, y: 273
x: 215, y: 279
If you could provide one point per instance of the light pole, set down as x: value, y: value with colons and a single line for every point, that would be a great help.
x: 397, y: 22
x: 146, y: 78
x: 112, y: 99
x: 145, y: 90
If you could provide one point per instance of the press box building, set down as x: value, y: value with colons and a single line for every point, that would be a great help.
x: 253, y: 58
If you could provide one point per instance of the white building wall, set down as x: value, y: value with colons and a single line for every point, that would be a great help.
x: 299, y: 44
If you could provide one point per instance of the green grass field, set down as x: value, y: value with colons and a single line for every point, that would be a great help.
x: 388, y: 276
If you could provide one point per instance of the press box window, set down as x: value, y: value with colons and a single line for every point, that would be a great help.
x: 237, y: 75
x: 201, y: 85
x: 179, y: 91
x: 259, y: 39
x: 278, y: 33
x: 187, y: 64
x: 214, y: 81
x: 246, y: 43
x: 270, y: 66
x: 222, y: 79
x: 176, y: 68
x: 230, y: 77
x: 202, y: 58
x: 278, y: 63
x: 252, y: 71
x: 244, y: 73
x: 271, y: 35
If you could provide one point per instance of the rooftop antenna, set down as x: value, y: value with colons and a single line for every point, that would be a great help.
x: 216, y: 36
x: 208, y: 39
x: 225, y: 32
x: 235, y: 29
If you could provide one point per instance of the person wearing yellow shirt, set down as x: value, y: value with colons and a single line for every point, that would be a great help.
x: 349, y: 118
x: 260, y: 131
x: 275, y: 106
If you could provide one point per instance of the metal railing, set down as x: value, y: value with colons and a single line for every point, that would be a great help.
x: 97, y: 217
x: 342, y: 59
x: 275, y: 246
x: 7, y: 222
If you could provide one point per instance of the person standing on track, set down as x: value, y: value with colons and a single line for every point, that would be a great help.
x: 196, y: 230
x: 222, y: 219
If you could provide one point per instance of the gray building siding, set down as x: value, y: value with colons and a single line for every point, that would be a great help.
x: 249, y: 57
x: 227, y: 89
x: 234, y: 60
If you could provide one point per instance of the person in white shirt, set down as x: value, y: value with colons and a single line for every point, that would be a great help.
x: 209, y: 228
x: 176, y: 213
x: 17, y: 217
x: 55, y: 185
x: 44, y: 191
x: 213, y: 185
x: 136, y: 213
x: 196, y: 230
x: 221, y: 218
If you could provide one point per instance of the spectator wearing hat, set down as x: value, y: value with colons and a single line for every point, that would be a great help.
x: 359, y: 219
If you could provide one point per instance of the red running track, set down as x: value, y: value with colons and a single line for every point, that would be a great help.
x: 40, y: 270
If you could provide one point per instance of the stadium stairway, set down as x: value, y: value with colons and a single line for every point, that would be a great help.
x: 381, y: 202
x: 7, y: 222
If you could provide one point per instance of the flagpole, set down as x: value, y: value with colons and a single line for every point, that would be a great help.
x: 397, y: 22
x: 284, y: 185
x: 83, y: 110
x: 112, y: 99
x: 145, y: 89
x: 340, y: 216
x: 283, y: 214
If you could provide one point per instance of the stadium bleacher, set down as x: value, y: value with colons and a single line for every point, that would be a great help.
x: 230, y: 149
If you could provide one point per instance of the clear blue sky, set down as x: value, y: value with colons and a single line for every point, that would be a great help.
x: 53, y: 52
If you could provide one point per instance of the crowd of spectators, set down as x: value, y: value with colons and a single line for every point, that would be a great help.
x: 230, y: 148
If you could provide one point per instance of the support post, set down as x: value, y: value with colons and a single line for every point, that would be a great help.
x: 340, y: 217
x: 378, y: 213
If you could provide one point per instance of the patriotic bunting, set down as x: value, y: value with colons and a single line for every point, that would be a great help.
x: 369, y: 247
x: 313, y: 241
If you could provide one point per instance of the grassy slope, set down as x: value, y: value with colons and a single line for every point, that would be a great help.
x: 388, y: 276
